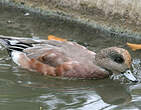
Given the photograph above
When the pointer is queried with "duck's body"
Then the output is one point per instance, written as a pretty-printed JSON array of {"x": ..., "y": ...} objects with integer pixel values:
[{"x": 66, "y": 59}]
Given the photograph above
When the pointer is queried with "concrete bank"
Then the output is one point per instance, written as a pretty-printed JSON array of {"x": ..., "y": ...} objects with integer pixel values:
[{"x": 117, "y": 16}]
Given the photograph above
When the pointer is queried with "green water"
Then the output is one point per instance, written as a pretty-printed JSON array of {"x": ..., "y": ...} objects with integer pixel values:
[{"x": 24, "y": 90}]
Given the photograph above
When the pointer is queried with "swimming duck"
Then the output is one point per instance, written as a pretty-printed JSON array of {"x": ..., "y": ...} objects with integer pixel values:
[{"x": 67, "y": 59}]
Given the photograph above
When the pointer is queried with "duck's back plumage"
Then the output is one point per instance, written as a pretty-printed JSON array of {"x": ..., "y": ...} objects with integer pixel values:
[{"x": 63, "y": 50}]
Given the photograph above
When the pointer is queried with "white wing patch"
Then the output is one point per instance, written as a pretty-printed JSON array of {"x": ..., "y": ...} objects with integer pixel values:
[{"x": 16, "y": 56}]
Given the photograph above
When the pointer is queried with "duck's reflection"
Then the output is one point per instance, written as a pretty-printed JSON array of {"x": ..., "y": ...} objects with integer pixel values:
[
  {"x": 112, "y": 92},
  {"x": 108, "y": 91}
]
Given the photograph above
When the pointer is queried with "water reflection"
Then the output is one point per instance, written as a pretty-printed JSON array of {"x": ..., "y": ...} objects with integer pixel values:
[{"x": 82, "y": 93}]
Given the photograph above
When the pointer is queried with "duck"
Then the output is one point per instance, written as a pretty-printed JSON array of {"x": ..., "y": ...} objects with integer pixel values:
[{"x": 62, "y": 58}]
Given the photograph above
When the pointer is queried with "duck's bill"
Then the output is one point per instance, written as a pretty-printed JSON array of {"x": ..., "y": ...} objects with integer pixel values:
[{"x": 129, "y": 75}]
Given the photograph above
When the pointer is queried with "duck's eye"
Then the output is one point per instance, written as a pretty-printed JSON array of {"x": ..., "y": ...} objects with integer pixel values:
[
  {"x": 119, "y": 60},
  {"x": 116, "y": 57}
]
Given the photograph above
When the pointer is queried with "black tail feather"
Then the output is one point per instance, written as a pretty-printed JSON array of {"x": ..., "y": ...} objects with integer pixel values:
[{"x": 17, "y": 46}]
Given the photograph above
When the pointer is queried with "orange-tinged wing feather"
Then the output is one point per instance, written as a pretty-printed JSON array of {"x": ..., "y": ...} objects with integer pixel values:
[
  {"x": 51, "y": 37},
  {"x": 134, "y": 47}
]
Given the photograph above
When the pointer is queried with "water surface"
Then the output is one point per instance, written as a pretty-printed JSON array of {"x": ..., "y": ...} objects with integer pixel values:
[{"x": 24, "y": 90}]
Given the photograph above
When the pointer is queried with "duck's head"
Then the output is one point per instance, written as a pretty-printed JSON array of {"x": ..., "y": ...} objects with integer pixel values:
[{"x": 115, "y": 60}]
